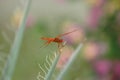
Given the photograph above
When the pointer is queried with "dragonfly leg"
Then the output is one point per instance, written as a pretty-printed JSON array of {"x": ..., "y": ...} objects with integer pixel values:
[
  {"x": 60, "y": 46},
  {"x": 46, "y": 44}
]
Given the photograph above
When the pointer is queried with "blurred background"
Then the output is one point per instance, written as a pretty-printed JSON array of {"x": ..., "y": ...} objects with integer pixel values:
[{"x": 97, "y": 21}]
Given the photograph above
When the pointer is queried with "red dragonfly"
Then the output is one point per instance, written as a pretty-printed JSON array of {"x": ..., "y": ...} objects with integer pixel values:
[{"x": 57, "y": 39}]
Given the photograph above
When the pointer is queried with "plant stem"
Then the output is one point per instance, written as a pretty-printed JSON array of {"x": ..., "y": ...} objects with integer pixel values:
[
  {"x": 50, "y": 72},
  {"x": 11, "y": 62},
  {"x": 71, "y": 60}
]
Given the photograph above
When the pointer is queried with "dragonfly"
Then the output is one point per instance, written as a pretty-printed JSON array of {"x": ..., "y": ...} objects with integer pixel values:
[{"x": 57, "y": 39}]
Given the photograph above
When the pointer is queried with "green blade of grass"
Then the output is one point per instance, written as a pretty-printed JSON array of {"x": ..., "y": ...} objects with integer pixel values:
[
  {"x": 52, "y": 68},
  {"x": 10, "y": 65},
  {"x": 69, "y": 63}
]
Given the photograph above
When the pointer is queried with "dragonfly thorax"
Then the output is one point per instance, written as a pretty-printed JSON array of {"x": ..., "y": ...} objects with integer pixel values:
[{"x": 58, "y": 40}]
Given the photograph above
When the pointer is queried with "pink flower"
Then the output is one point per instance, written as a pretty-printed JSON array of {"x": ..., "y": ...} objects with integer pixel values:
[
  {"x": 94, "y": 17},
  {"x": 102, "y": 67},
  {"x": 116, "y": 69},
  {"x": 95, "y": 14},
  {"x": 65, "y": 55},
  {"x": 17, "y": 17},
  {"x": 75, "y": 37},
  {"x": 30, "y": 21},
  {"x": 93, "y": 50}
]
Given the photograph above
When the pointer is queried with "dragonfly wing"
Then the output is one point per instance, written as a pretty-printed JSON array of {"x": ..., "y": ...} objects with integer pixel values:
[{"x": 66, "y": 33}]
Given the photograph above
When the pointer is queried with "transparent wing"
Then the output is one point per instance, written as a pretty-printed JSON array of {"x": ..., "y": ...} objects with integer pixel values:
[{"x": 66, "y": 33}]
